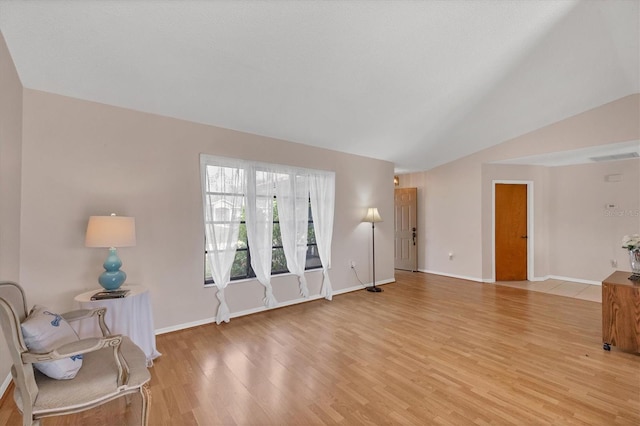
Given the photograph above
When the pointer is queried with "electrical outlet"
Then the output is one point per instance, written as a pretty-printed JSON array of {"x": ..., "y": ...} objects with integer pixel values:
[
  {"x": 352, "y": 263},
  {"x": 614, "y": 263}
]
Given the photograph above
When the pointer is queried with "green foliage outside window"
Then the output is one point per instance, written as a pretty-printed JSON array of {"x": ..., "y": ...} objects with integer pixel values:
[{"x": 241, "y": 267}]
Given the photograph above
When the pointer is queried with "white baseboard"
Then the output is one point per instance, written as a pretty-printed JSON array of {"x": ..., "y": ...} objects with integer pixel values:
[
  {"x": 5, "y": 385},
  {"x": 490, "y": 280},
  {"x": 184, "y": 326},
  {"x": 493, "y": 281},
  {"x": 264, "y": 308},
  {"x": 462, "y": 277}
]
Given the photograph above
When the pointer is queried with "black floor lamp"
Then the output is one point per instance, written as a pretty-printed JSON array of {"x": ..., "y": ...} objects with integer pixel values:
[{"x": 373, "y": 216}]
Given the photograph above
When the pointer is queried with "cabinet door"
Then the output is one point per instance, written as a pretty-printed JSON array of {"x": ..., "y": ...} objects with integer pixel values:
[{"x": 621, "y": 316}]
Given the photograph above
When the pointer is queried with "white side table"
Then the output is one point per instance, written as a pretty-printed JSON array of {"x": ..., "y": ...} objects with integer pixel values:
[{"x": 130, "y": 316}]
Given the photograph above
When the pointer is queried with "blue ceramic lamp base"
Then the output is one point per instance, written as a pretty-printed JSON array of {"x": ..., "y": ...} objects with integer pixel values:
[{"x": 112, "y": 278}]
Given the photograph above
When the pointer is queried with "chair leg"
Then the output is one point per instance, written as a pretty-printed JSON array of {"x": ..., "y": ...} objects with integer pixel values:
[
  {"x": 29, "y": 420},
  {"x": 145, "y": 392}
]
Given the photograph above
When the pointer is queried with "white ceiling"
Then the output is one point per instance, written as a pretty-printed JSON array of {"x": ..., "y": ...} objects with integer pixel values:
[{"x": 418, "y": 83}]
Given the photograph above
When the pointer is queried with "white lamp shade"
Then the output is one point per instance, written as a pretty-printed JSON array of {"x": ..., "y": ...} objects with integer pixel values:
[
  {"x": 372, "y": 215},
  {"x": 111, "y": 231}
]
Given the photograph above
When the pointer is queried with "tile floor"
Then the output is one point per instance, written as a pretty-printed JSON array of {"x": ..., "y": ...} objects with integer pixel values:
[{"x": 560, "y": 288}]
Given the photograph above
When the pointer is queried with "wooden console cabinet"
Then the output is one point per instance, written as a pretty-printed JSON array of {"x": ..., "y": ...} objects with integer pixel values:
[{"x": 621, "y": 312}]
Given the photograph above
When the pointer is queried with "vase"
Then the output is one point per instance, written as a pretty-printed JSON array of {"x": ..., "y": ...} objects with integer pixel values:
[
  {"x": 112, "y": 278},
  {"x": 634, "y": 260}
]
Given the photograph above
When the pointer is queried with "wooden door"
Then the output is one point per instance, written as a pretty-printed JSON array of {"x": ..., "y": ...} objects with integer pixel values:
[
  {"x": 406, "y": 227},
  {"x": 511, "y": 232}
]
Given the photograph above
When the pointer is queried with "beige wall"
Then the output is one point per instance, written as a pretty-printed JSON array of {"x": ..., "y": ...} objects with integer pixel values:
[
  {"x": 449, "y": 200},
  {"x": 81, "y": 158},
  {"x": 455, "y": 199},
  {"x": 585, "y": 235},
  {"x": 10, "y": 164}
]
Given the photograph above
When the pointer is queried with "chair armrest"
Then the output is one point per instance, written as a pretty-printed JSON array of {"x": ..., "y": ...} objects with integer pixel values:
[
  {"x": 74, "y": 348},
  {"x": 80, "y": 314}
]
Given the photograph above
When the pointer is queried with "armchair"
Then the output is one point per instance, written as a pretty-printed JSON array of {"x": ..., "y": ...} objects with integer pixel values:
[{"x": 112, "y": 367}]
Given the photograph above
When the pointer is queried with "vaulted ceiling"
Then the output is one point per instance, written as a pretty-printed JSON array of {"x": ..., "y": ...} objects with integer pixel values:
[{"x": 418, "y": 83}]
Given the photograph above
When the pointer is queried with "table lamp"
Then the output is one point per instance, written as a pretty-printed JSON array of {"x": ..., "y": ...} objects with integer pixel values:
[
  {"x": 373, "y": 216},
  {"x": 111, "y": 232}
]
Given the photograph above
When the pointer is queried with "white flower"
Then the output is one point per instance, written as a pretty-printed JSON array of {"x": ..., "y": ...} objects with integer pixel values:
[{"x": 631, "y": 241}]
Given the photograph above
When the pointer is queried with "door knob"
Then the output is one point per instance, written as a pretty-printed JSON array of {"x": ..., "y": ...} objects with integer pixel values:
[{"x": 524, "y": 236}]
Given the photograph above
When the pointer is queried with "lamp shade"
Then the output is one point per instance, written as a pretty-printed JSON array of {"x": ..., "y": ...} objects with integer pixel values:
[
  {"x": 372, "y": 215},
  {"x": 111, "y": 231}
]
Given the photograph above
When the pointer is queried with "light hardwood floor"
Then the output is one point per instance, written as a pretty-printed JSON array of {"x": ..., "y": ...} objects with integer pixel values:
[{"x": 427, "y": 350}]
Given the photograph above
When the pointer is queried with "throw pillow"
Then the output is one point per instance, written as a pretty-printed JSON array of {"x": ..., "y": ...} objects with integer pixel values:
[{"x": 44, "y": 331}]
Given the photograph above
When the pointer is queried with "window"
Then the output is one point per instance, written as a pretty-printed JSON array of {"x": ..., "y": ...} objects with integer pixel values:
[
  {"x": 284, "y": 212},
  {"x": 241, "y": 267}
]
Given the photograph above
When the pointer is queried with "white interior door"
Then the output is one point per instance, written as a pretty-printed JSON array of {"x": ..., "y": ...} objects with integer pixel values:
[{"x": 406, "y": 222}]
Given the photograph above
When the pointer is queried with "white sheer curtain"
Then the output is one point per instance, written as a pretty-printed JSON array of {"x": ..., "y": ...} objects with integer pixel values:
[
  {"x": 231, "y": 185},
  {"x": 223, "y": 195},
  {"x": 322, "y": 192},
  {"x": 292, "y": 194},
  {"x": 259, "y": 220}
]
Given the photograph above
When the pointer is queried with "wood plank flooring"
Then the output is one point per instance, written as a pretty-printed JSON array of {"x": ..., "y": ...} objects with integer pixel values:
[{"x": 427, "y": 350}]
